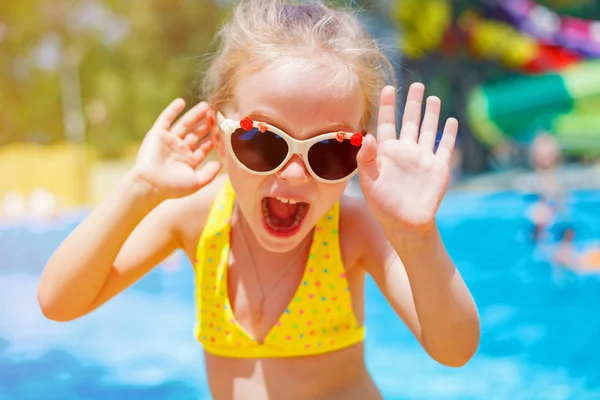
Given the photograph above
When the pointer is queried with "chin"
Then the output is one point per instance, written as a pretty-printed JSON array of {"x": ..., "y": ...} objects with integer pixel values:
[{"x": 281, "y": 246}]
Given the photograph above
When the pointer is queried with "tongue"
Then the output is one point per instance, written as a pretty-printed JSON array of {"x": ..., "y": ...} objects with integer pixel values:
[{"x": 282, "y": 214}]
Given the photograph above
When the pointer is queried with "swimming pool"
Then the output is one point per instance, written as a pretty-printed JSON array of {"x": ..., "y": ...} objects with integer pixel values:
[{"x": 540, "y": 335}]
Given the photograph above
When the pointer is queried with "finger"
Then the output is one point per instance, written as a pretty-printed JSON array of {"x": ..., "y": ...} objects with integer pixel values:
[
  {"x": 386, "y": 120},
  {"x": 207, "y": 173},
  {"x": 191, "y": 141},
  {"x": 446, "y": 146},
  {"x": 211, "y": 119},
  {"x": 411, "y": 120},
  {"x": 196, "y": 156},
  {"x": 368, "y": 170},
  {"x": 181, "y": 148},
  {"x": 203, "y": 149},
  {"x": 202, "y": 129},
  {"x": 190, "y": 119},
  {"x": 430, "y": 123},
  {"x": 168, "y": 115},
  {"x": 197, "y": 136}
]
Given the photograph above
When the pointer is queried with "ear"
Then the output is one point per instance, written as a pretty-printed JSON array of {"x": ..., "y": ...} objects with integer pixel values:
[{"x": 217, "y": 136}]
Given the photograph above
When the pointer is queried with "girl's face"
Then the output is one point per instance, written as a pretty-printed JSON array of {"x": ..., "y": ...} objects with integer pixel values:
[{"x": 282, "y": 208}]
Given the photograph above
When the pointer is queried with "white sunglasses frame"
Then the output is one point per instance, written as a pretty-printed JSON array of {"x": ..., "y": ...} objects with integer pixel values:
[{"x": 295, "y": 146}]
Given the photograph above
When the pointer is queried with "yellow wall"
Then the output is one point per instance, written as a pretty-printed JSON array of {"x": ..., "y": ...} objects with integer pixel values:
[
  {"x": 71, "y": 172},
  {"x": 61, "y": 168}
]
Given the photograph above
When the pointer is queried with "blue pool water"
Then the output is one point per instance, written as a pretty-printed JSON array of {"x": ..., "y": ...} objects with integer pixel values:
[{"x": 540, "y": 329}]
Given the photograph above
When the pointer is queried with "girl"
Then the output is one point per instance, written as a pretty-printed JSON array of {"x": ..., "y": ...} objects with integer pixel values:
[{"x": 280, "y": 255}]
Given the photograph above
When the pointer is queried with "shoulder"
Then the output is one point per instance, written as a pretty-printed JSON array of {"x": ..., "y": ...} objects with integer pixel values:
[{"x": 188, "y": 215}]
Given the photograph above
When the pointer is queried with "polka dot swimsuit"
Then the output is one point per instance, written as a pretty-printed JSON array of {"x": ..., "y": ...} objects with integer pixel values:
[{"x": 319, "y": 317}]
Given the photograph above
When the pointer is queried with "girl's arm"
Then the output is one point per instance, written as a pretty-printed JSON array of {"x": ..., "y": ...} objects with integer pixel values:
[
  {"x": 84, "y": 272},
  {"x": 419, "y": 276},
  {"x": 135, "y": 227},
  {"x": 404, "y": 180},
  {"x": 421, "y": 283}
]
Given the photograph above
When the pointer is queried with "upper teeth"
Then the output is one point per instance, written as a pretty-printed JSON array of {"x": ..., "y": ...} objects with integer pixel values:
[{"x": 284, "y": 200}]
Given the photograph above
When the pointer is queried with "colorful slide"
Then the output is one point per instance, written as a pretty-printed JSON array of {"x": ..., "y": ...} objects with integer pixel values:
[{"x": 564, "y": 103}]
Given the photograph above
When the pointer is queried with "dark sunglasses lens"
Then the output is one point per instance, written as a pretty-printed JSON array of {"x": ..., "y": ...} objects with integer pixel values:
[
  {"x": 333, "y": 160},
  {"x": 259, "y": 151}
]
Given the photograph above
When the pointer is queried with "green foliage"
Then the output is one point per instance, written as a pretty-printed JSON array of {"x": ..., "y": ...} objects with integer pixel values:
[
  {"x": 588, "y": 9},
  {"x": 123, "y": 61}
]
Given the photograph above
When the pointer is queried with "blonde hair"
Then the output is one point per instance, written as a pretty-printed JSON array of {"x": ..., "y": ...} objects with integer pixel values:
[{"x": 262, "y": 32}]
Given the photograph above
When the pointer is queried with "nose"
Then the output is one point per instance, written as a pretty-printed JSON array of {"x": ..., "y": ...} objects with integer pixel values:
[{"x": 294, "y": 171}]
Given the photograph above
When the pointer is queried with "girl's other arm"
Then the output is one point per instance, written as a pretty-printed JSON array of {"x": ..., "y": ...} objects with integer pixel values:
[
  {"x": 135, "y": 227},
  {"x": 85, "y": 272}
]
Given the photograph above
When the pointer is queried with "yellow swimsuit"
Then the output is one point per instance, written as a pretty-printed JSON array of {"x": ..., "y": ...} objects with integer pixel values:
[{"x": 319, "y": 318}]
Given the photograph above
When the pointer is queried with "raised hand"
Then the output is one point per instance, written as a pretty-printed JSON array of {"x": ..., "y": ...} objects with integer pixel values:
[
  {"x": 403, "y": 180},
  {"x": 172, "y": 151}
]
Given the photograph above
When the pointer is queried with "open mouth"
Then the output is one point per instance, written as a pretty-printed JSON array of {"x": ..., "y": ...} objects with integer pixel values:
[{"x": 283, "y": 216}]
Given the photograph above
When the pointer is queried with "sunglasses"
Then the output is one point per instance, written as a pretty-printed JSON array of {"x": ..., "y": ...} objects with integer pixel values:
[{"x": 263, "y": 149}]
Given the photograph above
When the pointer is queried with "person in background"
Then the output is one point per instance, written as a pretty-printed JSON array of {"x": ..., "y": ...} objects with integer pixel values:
[{"x": 545, "y": 158}]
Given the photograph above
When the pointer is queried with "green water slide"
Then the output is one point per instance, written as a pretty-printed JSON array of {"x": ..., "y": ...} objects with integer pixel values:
[{"x": 566, "y": 104}]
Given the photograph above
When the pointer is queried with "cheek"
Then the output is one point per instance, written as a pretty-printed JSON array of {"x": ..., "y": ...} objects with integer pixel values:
[
  {"x": 245, "y": 184},
  {"x": 235, "y": 172},
  {"x": 328, "y": 195},
  {"x": 335, "y": 190}
]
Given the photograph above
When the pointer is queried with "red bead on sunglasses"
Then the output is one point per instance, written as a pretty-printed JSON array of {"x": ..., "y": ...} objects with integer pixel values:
[
  {"x": 356, "y": 139},
  {"x": 246, "y": 123},
  {"x": 264, "y": 149}
]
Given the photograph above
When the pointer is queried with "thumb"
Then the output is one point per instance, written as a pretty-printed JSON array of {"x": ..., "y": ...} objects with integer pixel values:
[
  {"x": 368, "y": 170},
  {"x": 207, "y": 173}
]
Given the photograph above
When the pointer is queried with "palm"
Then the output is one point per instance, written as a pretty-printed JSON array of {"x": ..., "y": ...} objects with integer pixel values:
[
  {"x": 170, "y": 153},
  {"x": 403, "y": 180}
]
